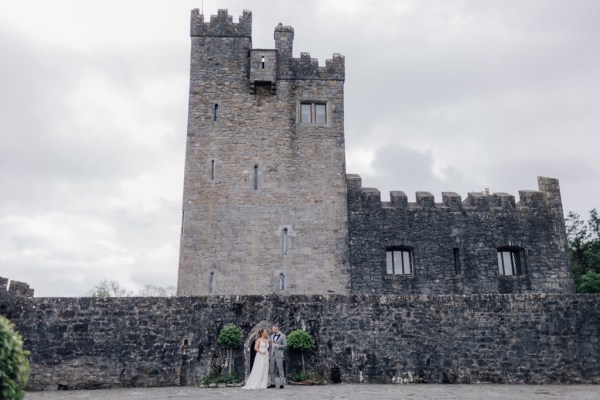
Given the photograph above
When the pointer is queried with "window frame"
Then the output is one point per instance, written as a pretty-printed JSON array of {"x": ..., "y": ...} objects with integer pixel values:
[
  {"x": 515, "y": 257},
  {"x": 313, "y": 103},
  {"x": 406, "y": 255}
]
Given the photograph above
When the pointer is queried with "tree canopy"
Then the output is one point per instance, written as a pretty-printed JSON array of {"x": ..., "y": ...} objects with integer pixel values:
[{"x": 584, "y": 246}]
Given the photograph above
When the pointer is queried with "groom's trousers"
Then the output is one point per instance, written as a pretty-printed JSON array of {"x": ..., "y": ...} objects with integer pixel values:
[{"x": 276, "y": 362}]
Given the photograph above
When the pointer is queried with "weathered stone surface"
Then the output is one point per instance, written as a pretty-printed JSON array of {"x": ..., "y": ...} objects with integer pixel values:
[
  {"x": 475, "y": 228},
  {"x": 254, "y": 170},
  {"x": 255, "y": 174},
  {"x": 99, "y": 343}
]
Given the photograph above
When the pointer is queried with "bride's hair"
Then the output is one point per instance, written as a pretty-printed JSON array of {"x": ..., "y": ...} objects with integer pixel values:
[{"x": 260, "y": 331}]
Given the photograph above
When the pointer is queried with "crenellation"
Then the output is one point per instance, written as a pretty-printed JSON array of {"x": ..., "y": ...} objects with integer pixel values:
[
  {"x": 20, "y": 289},
  {"x": 221, "y": 25},
  {"x": 425, "y": 200},
  {"x": 477, "y": 201},
  {"x": 532, "y": 199},
  {"x": 505, "y": 200},
  {"x": 399, "y": 200},
  {"x": 452, "y": 201},
  {"x": 308, "y": 68},
  {"x": 437, "y": 233}
]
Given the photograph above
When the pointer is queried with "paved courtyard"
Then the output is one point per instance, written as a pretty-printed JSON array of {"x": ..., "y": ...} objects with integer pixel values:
[{"x": 342, "y": 392}]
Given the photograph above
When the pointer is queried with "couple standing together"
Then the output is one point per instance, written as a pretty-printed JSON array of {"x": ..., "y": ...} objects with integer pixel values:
[{"x": 269, "y": 355}]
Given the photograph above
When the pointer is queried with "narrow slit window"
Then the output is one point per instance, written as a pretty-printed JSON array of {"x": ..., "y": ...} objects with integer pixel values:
[
  {"x": 255, "y": 177},
  {"x": 281, "y": 281},
  {"x": 182, "y": 220},
  {"x": 457, "y": 266},
  {"x": 211, "y": 279},
  {"x": 262, "y": 62},
  {"x": 216, "y": 112},
  {"x": 285, "y": 241},
  {"x": 212, "y": 169}
]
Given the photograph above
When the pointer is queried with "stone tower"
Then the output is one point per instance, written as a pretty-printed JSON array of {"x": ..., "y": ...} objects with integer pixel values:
[{"x": 265, "y": 196}]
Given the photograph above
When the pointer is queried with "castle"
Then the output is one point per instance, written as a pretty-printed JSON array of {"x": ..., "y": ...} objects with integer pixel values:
[
  {"x": 269, "y": 209},
  {"x": 468, "y": 291}
]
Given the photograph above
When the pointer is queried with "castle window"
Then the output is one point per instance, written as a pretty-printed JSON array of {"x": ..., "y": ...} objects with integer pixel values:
[
  {"x": 212, "y": 169},
  {"x": 262, "y": 62},
  {"x": 182, "y": 220},
  {"x": 399, "y": 261},
  {"x": 457, "y": 266},
  {"x": 313, "y": 113},
  {"x": 255, "y": 177},
  {"x": 285, "y": 241},
  {"x": 281, "y": 281},
  {"x": 211, "y": 278},
  {"x": 216, "y": 112},
  {"x": 510, "y": 261}
]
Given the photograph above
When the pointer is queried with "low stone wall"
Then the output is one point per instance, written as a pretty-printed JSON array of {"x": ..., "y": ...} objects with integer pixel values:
[{"x": 79, "y": 343}]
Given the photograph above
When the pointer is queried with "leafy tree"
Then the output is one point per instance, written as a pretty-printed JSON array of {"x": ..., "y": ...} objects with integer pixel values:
[
  {"x": 589, "y": 282},
  {"x": 230, "y": 336},
  {"x": 301, "y": 340},
  {"x": 14, "y": 366},
  {"x": 109, "y": 289},
  {"x": 584, "y": 246}
]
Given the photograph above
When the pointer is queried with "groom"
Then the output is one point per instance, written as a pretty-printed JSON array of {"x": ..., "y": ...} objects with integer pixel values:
[{"x": 276, "y": 357}]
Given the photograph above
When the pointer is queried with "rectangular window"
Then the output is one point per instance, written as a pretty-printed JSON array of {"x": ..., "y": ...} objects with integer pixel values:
[
  {"x": 457, "y": 266},
  {"x": 321, "y": 113},
  {"x": 306, "y": 113},
  {"x": 399, "y": 262},
  {"x": 313, "y": 113},
  {"x": 509, "y": 262}
]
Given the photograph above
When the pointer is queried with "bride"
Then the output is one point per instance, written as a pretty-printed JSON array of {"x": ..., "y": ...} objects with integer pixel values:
[{"x": 260, "y": 370}]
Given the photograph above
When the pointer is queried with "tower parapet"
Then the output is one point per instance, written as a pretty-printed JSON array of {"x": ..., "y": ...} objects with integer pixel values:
[
  {"x": 221, "y": 24},
  {"x": 454, "y": 245}
]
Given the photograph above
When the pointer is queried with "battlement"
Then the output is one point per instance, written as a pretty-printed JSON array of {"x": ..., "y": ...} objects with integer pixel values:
[
  {"x": 221, "y": 25},
  {"x": 475, "y": 201},
  {"x": 15, "y": 288},
  {"x": 306, "y": 67}
]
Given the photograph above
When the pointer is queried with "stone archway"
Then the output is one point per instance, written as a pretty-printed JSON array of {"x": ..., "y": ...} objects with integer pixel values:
[{"x": 249, "y": 352}]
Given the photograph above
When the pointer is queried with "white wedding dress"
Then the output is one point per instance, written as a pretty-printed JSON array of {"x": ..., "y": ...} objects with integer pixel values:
[{"x": 260, "y": 370}]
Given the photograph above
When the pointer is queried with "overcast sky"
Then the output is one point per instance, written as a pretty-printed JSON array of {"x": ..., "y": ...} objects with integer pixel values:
[{"x": 440, "y": 96}]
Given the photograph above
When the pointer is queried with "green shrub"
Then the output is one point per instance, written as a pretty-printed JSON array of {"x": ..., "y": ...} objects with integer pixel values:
[
  {"x": 588, "y": 282},
  {"x": 14, "y": 366},
  {"x": 230, "y": 336},
  {"x": 301, "y": 340}
]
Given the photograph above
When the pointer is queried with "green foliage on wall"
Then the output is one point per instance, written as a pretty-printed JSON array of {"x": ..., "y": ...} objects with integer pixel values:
[{"x": 14, "y": 366}]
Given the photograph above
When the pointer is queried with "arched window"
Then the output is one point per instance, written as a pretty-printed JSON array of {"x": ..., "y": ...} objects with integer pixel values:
[{"x": 281, "y": 281}]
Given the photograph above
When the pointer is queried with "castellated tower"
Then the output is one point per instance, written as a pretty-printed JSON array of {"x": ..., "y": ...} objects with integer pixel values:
[{"x": 265, "y": 197}]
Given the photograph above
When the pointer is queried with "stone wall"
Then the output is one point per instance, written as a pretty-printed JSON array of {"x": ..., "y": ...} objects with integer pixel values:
[
  {"x": 467, "y": 232},
  {"x": 81, "y": 343}
]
